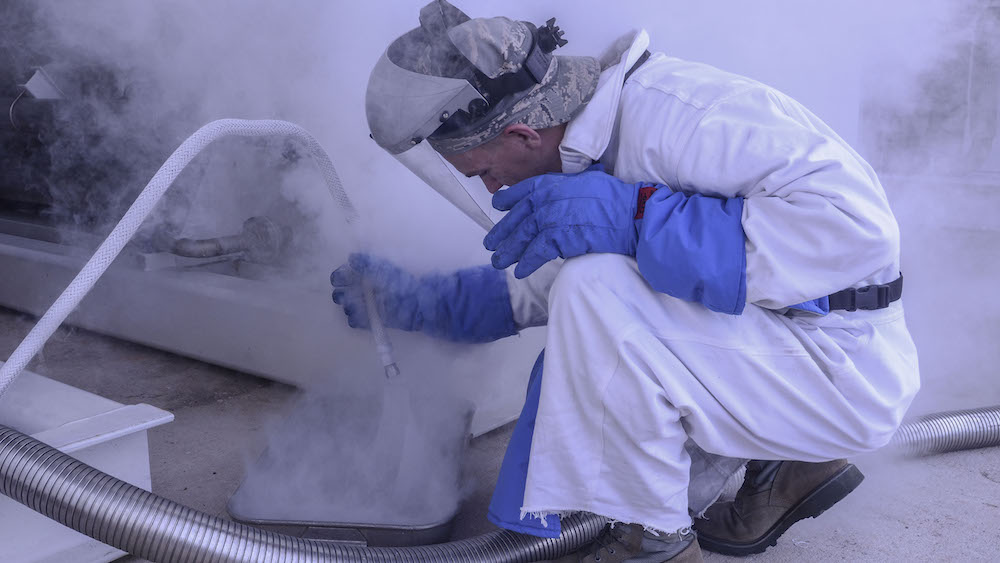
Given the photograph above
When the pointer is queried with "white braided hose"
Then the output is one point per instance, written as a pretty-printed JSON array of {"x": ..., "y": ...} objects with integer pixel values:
[{"x": 144, "y": 204}]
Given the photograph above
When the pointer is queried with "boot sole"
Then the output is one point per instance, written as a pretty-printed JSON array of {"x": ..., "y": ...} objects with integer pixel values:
[{"x": 827, "y": 494}]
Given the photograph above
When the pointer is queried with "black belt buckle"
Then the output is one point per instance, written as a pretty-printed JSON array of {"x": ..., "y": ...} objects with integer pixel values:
[{"x": 870, "y": 298}]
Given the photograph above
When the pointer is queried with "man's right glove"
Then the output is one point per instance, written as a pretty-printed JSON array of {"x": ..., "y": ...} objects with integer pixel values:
[{"x": 470, "y": 305}]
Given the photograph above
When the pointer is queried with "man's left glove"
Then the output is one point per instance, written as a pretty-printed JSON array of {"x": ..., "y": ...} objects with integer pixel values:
[
  {"x": 690, "y": 246},
  {"x": 563, "y": 215},
  {"x": 470, "y": 305}
]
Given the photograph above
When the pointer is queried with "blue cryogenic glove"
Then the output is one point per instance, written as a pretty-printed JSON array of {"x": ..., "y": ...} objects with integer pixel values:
[
  {"x": 563, "y": 215},
  {"x": 470, "y": 305},
  {"x": 690, "y": 246}
]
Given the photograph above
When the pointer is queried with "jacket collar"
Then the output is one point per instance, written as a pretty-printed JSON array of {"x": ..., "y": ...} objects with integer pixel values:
[{"x": 589, "y": 133}]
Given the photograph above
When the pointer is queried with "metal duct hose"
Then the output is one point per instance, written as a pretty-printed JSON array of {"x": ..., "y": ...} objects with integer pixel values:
[
  {"x": 132, "y": 519},
  {"x": 149, "y": 526},
  {"x": 949, "y": 431}
]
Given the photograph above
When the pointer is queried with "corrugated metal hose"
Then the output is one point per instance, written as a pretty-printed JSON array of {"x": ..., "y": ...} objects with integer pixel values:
[
  {"x": 948, "y": 432},
  {"x": 149, "y": 526}
]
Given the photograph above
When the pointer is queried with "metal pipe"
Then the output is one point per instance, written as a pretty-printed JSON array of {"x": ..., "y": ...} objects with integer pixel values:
[
  {"x": 209, "y": 247},
  {"x": 949, "y": 431},
  {"x": 160, "y": 530},
  {"x": 132, "y": 519},
  {"x": 261, "y": 240}
]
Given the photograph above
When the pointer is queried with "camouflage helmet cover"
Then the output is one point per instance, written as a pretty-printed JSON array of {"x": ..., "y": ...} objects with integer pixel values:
[{"x": 450, "y": 45}]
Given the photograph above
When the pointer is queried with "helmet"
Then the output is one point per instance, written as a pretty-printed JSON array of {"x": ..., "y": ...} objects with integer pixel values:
[{"x": 457, "y": 82}]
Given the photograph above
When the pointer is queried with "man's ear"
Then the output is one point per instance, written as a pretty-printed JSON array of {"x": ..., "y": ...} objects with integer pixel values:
[{"x": 521, "y": 133}]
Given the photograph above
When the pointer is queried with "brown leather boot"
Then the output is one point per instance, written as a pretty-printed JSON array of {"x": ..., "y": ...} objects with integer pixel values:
[
  {"x": 774, "y": 495},
  {"x": 628, "y": 543}
]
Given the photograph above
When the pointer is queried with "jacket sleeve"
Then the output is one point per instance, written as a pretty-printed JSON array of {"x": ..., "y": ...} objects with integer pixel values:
[
  {"x": 529, "y": 297},
  {"x": 691, "y": 246},
  {"x": 815, "y": 217},
  {"x": 470, "y": 305}
]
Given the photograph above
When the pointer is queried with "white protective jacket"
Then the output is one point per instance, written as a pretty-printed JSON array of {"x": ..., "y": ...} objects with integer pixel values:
[
  {"x": 658, "y": 370},
  {"x": 815, "y": 216}
]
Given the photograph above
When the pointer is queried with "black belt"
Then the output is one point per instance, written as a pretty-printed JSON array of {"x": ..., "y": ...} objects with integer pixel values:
[{"x": 868, "y": 297}]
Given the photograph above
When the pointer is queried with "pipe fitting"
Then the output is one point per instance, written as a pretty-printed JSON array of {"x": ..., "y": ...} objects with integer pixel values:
[{"x": 260, "y": 241}]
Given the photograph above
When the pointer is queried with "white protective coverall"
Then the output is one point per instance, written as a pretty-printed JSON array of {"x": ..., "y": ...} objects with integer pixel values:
[{"x": 630, "y": 373}]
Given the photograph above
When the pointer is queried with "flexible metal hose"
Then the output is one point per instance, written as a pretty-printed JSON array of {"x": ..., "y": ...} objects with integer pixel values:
[
  {"x": 149, "y": 526},
  {"x": 949, "y": 431},
  {"x": 137, "y": 521}
]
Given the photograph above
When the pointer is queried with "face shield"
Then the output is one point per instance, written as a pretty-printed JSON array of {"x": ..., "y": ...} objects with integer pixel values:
[
  {"x": 400, "y": 131},
  {"x": 469, "y": 195}
]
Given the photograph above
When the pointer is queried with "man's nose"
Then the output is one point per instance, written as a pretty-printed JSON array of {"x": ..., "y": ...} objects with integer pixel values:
[{"x": 492, "y": 184}]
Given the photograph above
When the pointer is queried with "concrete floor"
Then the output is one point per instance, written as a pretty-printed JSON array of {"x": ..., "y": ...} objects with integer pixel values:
[{"x": 942, "y": 508}]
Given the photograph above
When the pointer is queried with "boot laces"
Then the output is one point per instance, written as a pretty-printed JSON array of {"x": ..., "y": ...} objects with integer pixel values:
[
  {"x": 605, "y": 541},
  {"x": 749, "y": 486}
]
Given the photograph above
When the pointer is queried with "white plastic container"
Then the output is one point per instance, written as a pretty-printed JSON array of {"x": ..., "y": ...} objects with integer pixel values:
[{"x": 98, "y": 431}]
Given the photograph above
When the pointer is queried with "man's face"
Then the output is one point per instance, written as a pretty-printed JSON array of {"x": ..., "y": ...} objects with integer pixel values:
[{"x": 517, "y": 154}]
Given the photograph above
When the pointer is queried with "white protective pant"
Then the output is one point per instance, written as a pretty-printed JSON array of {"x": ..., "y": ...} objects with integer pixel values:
[{"x": 631, "y": 373}]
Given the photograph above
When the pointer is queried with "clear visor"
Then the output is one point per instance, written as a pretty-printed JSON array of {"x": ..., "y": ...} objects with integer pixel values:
[{"x": 468, "y": 194}]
